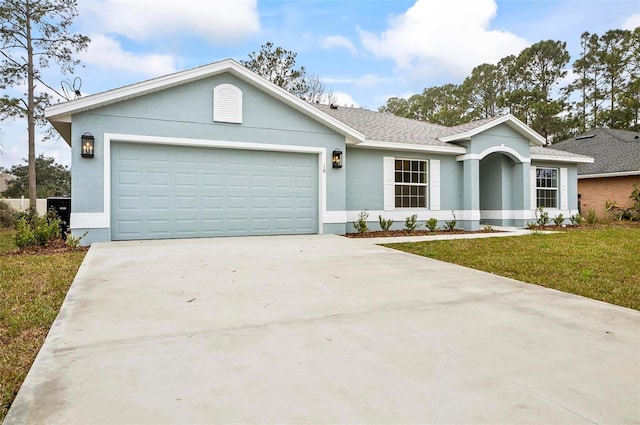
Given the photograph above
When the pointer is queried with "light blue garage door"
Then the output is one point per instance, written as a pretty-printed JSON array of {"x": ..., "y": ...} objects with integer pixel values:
[{"x": 163, "y": 192}]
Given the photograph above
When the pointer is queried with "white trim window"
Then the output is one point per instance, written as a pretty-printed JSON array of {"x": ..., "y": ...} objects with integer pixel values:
[
  {"x": 410, "y": 183},
  {"x": 546, "y": 187}
]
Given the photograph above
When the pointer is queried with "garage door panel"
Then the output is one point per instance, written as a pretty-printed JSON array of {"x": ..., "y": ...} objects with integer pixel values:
[
  {"x": 159, "y": 180},
  {"x": 161, "y": 191},
  {"x": 188, "y": 203},
  {"x": 212, "y": 203},
  {"x": 162, "y": 156},
  {"x": 157, "y": 228},
  {"x": 156, "y": 203},
  {"x": 130, "y": 228},
  {"x": 187, "y": 180},
  {"x": 212, "y": 181},
  {"x": 129, "y": 203},
  {"x": 130, "y": 178}
]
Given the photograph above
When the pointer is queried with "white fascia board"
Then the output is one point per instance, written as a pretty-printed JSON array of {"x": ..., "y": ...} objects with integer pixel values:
[
  {"x": 605, "y": 175},
  {"x": 62, "y": 110},
  {"x": 134, "y": 90},
  {"x": 568, "y": 159},
  {"x": 510, "y": 120},
  {"x": 372, "y": 144},
  {"x": 503, "y": 149}
]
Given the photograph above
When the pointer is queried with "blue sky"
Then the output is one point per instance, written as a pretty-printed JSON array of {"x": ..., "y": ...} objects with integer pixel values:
[{"x": 365, "y": 51}]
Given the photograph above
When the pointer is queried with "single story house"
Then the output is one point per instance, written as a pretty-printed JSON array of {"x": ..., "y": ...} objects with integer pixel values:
[
  {"x": 220, "y": 151},
  {"x": 616, "y": 167}
]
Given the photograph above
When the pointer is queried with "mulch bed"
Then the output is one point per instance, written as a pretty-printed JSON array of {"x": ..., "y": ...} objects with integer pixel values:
[
  {"x": 55, "y": 247},
  {"x": 395, "y": 233}
]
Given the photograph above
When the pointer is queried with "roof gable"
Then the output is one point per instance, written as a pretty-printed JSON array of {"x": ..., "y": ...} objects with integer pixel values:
[
  {"x": 466, "y": 131},
  {"x": 60, "y": 114}
]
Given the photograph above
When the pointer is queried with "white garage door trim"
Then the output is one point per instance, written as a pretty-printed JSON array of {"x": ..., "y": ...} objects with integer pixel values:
[{"x": 103, "y": 219}]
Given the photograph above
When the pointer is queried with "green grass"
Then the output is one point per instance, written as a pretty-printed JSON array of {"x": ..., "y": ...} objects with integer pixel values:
[
  {"x": 601, "y": 263},
  {"x": 32, "y": 288}
]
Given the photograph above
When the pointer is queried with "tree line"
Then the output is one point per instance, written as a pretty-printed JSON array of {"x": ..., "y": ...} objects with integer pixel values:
[{"x": 605, "y": 92}]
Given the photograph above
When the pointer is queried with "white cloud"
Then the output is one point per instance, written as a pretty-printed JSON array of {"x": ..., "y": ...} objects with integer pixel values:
[
  {"x": 338, "y": 41},
  {"x": 631, "y": 22},
  {"x": 439, "y": 37},
  {"x": 219, "y": 21},
  {"x": 340, "y": 98},
  {"x": 108, "y": 53},
  {"x": 367, "y": 80}
]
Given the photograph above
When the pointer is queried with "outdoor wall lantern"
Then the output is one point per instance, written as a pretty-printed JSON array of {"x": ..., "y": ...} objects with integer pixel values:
[
  {"x": 337, "y": 158},
  {"x": 87, "y": 145}
]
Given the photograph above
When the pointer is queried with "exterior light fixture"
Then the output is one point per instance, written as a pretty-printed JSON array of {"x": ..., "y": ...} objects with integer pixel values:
[
  {"x": 337, "y": 158},
  {"x": 87, "y": 145}
]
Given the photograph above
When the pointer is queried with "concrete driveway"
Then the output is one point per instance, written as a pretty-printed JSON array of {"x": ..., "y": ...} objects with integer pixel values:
[{"x": 323, "y": 329}]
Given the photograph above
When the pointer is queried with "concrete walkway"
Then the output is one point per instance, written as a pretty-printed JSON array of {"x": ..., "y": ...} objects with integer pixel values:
[{"x": 323, "y": 330}]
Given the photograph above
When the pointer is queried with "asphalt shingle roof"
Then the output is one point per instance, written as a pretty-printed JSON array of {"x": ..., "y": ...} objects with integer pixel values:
[
  {"x": 384, "y": 127},
  {"x": 614, "y": 151},
  {"x": 462, "y": 128}
]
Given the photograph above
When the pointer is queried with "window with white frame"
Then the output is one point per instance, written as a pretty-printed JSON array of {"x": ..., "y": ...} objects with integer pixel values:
[
  {"x": 547, "y": 187},
  {"x": 410, "y": 183}
]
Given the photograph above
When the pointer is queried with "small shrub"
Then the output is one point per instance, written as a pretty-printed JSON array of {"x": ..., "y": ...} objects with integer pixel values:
[
  {"x": 25, "y": 236},
  {"x": 592, "y": 217},
  {"x": 74, "y": 241},
  {"x": 558, "y": 220},
  {"x": 37, "y": 230},
  {"x": 624, "y": 214},
  {"x": 488, "y": 228},
  {"x": 361, "y": 223},
  {"x": 531, "y": 225},
  {"x": 385, "y": 225},
  {"x": 449, "y": 226},
  {"x": 29, "y": 216},
  {"x": 7, "y": 215},
  {"x": 576, "y": 219},
  {"x": 612, "y": 209},
  {"x": 411, "y": 223},
  {"x": 542, "y": 217},
  {"x": 47, "y": 227},
  {"x": 431, "y": 224}
]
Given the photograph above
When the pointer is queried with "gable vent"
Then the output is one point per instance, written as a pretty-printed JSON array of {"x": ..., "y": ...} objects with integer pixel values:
[{"x": 227, "y": 104}]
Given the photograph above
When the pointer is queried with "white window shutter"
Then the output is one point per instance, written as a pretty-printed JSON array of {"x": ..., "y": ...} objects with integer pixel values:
[
  {"x": 434, "y": 185},
  {"x": 564, "y": 195},
  {"x": 227, "y": 104},
  {"x": 533, "y": 194},
  {"x": 388, "y": 163}
]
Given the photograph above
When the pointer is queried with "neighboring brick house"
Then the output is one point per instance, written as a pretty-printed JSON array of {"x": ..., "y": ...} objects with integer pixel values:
[{"x": 616, "y": 167}]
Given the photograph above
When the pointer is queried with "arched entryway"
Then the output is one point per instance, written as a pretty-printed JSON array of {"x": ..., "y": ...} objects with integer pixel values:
[
  {"x": 497, "y": 190},
  {"x": 503, "y": 196}
]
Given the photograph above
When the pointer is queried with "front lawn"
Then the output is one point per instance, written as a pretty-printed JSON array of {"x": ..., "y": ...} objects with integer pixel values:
[
  {"x": 601, "y": 263},
  {"x": 32, "y": 288}
]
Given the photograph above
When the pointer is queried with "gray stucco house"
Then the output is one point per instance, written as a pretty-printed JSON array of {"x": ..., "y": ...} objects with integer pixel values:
[{"x": 219, "y": 151}]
